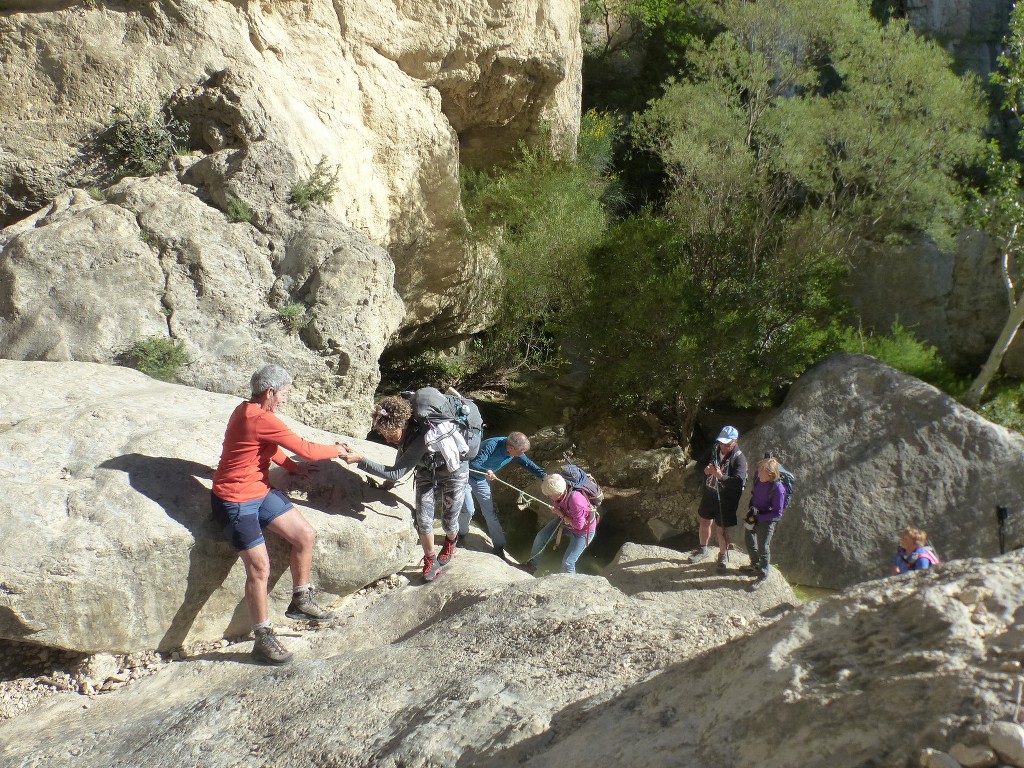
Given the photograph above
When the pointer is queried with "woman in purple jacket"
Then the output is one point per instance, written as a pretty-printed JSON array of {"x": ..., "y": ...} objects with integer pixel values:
[{"x": 767, "y": 501}]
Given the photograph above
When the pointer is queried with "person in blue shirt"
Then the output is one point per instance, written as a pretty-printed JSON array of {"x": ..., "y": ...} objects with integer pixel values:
[{"x": 495, "y": 453}]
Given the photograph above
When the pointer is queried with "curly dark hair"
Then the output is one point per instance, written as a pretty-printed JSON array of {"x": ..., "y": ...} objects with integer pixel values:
[{"x": 392, "y": 413}]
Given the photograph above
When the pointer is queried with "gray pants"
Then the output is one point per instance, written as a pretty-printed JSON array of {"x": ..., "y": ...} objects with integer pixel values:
[
  {"x": 451, "y": 487},
  {"x": 759, "y": 545}
]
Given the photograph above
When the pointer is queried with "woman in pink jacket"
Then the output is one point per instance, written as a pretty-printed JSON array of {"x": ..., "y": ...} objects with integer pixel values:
[{"x": 573, "y": 509}]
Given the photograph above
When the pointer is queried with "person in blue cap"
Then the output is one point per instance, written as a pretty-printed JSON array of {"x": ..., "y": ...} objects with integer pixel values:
[{"x": 725, "y": 475}]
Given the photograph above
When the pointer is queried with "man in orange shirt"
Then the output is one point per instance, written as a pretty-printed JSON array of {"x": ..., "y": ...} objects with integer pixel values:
[{"x": 246, "y": 505}]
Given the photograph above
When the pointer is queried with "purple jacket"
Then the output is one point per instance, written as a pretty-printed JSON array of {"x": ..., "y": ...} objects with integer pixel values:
[{"x": 768, "y": 500}]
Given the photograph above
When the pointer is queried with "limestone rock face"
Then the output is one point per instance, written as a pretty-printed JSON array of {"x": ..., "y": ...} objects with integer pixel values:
[
  {"x": 84, "y": 280},
  {"x": 972, "y": 30},
  {"x": 875, "y": 450},
  {"x": 389, "y": 95},
  {"x": 955, "y": 301},
  {"x": 107, "y": 541}
]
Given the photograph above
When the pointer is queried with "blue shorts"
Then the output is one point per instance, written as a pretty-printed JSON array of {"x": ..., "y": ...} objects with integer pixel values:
[{"x": 243, "y": 521}]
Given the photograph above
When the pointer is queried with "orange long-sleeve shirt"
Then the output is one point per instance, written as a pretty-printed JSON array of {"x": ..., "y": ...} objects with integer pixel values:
[{"x": 254, "y": 437}]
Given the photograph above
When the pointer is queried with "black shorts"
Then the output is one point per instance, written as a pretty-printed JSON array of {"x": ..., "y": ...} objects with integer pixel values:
[{"x": 724, "y": 513}]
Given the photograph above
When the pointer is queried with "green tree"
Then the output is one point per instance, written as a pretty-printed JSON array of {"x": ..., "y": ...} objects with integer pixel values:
[
  {"x": 542, "y": 215},
  {"x": 799, "y": 132},
  {"x": 999, "y": 209}
]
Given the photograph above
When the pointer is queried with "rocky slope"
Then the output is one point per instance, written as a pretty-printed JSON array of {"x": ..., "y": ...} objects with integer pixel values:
[{"x": 488, "y": 666}]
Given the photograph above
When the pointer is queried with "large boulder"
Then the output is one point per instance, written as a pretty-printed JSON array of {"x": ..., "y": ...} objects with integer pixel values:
[
  {"x": 86, "y": 279},
  {"x": 874, "y": 450},
  {"x": 107, "y": 539},
  {"x": 390, "y": 95}
]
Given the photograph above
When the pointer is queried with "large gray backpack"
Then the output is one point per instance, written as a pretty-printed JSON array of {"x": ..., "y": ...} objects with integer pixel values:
[{"x": 432, "y": 406}]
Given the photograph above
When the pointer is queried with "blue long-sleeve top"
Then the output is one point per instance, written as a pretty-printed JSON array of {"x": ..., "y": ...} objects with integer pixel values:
[{"x": 494, "y": 455}]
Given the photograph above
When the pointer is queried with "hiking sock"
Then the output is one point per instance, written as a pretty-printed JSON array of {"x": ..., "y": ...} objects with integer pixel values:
[{"x": 302, "y": 588}]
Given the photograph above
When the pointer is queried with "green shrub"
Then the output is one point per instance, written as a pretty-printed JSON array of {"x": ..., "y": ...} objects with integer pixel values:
[
  {"x": 159, "y": 357},
  {"x": 139, "y": 141},
  {"x": 97, "y": 194},
  {"x": 239, "y": 210},
  {"x": 318, "y": 188},
  {"x": 542, "y": 215},
  {"x": 1005, "y": 405},
  {"x": 293, "y": 315},
  {"x": 429, "y": 367},
  {"x": 901, "y": 350}
]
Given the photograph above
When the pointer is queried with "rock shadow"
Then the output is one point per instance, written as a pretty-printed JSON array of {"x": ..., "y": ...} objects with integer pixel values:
[
  {"x": 174, "y": 484},
  {"x": 335, "y": 489}
]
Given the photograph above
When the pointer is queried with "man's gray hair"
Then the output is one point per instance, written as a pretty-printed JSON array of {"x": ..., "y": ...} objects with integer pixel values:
[
  {"x": 269, "y": 377},
  {"x": 518, "y": 440}
]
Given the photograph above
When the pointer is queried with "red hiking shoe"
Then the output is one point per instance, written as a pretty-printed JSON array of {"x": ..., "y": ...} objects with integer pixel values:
[
  {"x": 447, "y": 551},
  {"x": 431, "y": 568}
]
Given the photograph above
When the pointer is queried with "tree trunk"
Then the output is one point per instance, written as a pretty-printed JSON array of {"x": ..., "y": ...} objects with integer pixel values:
[{"x": 995, "y": 357}]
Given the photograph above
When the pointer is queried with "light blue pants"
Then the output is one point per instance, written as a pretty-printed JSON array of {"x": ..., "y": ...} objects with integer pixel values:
[
  {"x": 480, "y": 487},
  {"x": 573, "y": 550}
]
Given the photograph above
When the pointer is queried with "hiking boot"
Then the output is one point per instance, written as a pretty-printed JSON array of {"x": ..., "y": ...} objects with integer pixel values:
[
  {"x": 431, "y": 567},
  {"x": 268, "y": 649},
  {"x": 698, "y": 554},
  {"x": 723, "y": 562},
  {"x": 305, "y": 608},
  {"x": 756, "y": 583},
  {"x": 447, "y": 551},
  {"x": 460, "y": 542},
  {"x": 500, "y": 552}
]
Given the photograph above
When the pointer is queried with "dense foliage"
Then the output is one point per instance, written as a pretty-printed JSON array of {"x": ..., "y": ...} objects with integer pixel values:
[
  {"x": 793, "y": 136},
  {"x": 542, "y": 215}
]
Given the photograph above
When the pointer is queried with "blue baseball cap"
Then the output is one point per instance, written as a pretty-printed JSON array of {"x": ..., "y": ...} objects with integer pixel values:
[{"x": 728, "y": 434}]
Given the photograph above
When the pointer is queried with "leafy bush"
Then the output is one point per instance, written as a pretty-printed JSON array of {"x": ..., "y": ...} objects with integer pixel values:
[
  {"x": 428, "y": 367},
  {"x": 541, "y": 215},
  {"x": 293, "y": 315},
  {"x": 159, "y": 357},
  {"x": 901, "y": 350},
  {"x": 239, "y": 210},
  {"x": 318, "y": 188},
  {"x": 140, "y": 141},
  {"x": 1005, "y": 405},
  {"x": 677, "y": 319},
  {"x": 96, "y": 194}
]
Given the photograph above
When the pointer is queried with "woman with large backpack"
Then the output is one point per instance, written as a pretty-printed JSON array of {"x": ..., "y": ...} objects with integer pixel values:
[{"x": 393, "y": 420}]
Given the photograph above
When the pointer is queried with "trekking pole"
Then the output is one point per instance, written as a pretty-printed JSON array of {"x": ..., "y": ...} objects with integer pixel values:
[
  {"x": 1001, "y": 514},
  {"x": 521, "y": 492}
]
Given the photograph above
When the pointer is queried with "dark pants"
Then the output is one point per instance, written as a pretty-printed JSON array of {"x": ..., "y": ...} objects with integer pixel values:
[{"x": 759, "y": 545}]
